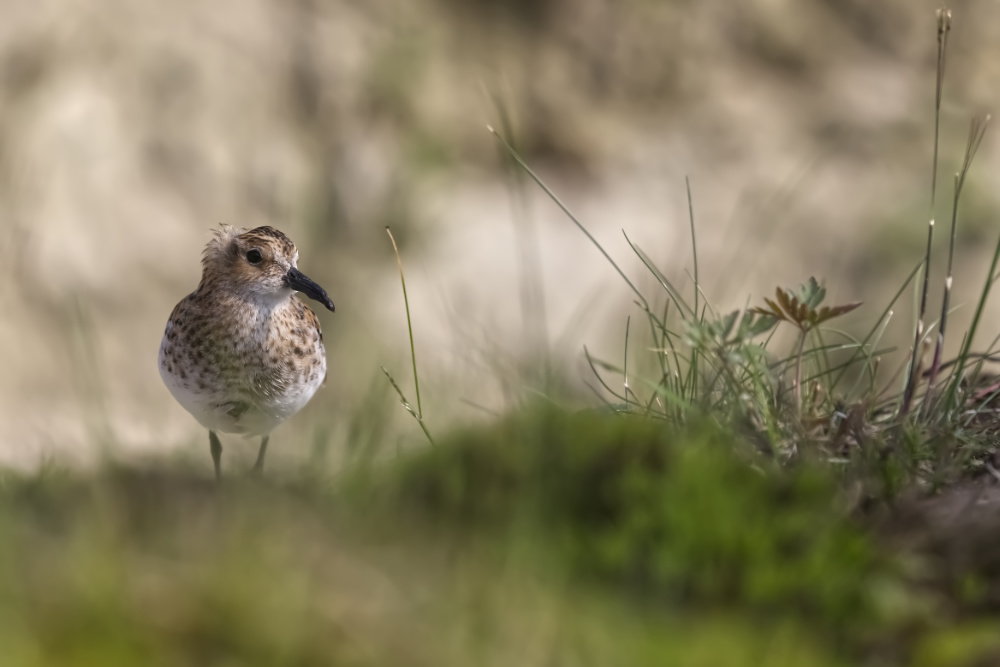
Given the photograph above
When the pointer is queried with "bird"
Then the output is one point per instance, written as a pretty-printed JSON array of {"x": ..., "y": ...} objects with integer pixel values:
[{"x": 242, "y": 353}]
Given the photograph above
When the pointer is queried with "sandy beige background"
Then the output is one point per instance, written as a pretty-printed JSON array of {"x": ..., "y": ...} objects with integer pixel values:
[{"x": 129, "y": 129}]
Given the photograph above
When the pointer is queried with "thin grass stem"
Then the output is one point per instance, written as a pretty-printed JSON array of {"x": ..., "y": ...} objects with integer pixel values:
[
  {"x": 977, "y": 129},
  {"x": 885, "y": 313},
  {"x": 409, "y": 322},
  {"x": 408, "y": 407},
  {"x": 594, "y": 363},
  {"x": 943, "y": 29},
  {"x": 628, "y": 323}
]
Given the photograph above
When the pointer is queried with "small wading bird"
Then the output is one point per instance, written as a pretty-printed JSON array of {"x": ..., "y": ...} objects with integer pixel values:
[{"x": 242, "y": 353}]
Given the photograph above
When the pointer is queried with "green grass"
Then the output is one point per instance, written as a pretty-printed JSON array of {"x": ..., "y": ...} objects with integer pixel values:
[
  {"x": 889, "y": 418},
  {"x": 552, "y": 537}
]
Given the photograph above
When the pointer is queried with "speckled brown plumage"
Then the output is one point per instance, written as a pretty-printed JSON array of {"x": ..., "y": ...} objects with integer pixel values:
[{"x": 242, "y": 352}]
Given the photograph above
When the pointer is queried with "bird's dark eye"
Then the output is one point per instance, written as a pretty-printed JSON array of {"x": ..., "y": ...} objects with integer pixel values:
[{"x": 254, "y": 256}]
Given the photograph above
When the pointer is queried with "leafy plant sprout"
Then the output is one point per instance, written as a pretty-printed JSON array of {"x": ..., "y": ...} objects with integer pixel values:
[{"x": 802, "y": 310}]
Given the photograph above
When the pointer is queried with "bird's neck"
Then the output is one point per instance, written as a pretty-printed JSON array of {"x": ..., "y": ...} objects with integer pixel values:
[{"x": 261, "y": 304}]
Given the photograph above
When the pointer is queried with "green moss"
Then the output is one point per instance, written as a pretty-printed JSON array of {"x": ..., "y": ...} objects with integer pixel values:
[
  {"x": 548, "y": 538},
  {"x": 676, "y": 514}
]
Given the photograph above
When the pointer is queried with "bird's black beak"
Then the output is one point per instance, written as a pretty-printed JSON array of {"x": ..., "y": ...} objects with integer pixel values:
[{"x": 300, "y": 282}]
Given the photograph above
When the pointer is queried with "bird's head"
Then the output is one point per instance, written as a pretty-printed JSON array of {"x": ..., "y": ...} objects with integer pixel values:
[{"x": 260, "y": 263}]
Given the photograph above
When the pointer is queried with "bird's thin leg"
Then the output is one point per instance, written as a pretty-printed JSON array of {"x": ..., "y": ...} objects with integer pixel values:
[
  {"x": 216, "y": 448},
  {"x": 258, "y": 467}
]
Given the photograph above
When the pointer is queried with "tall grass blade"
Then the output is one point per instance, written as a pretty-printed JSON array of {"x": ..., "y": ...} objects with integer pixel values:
[
  {"x": 943, "y": 28},
  {"x": 977, "y": 129},
  {"x": 672, "y": 291},
  {"x": 419, "y": 414}
]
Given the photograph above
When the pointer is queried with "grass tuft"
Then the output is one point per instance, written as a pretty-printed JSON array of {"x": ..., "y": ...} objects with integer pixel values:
[{"x": 814, "y": 398}]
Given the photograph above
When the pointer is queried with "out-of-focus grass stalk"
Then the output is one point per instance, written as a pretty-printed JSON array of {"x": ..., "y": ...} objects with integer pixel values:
[
  {"x": 628, "y": 323},
  {"x": 693, "y": 368},
  {"x": 533, "y": 303},
  {"x": 558, "y": 202}
]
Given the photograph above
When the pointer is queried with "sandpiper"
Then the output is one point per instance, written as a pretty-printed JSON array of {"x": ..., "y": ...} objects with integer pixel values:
[{"x": 242, "y": 353}]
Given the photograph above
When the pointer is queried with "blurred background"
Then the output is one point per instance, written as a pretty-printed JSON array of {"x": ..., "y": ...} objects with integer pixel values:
[{"x": 128, "y": 130}]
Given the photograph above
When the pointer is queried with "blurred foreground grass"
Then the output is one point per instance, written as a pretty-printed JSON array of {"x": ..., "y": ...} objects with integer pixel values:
[{"x": 549, "y": 538}]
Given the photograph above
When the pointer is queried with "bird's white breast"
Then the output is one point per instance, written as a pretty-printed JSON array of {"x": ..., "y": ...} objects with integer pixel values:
[{"x": 254, "y": 397}]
